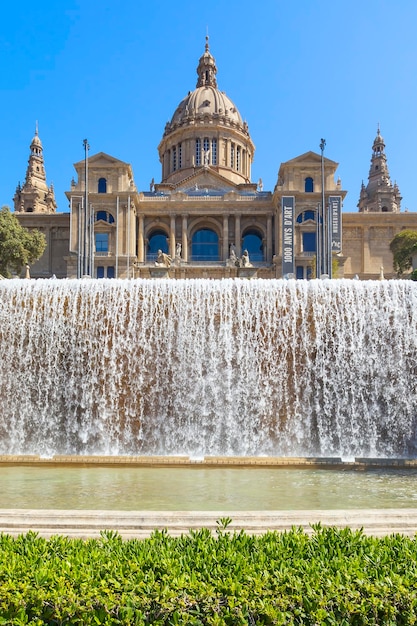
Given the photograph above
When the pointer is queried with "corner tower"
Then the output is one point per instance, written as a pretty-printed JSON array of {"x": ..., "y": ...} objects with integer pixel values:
[
  {"x": 380, "y": 195},
  {"x": 35, "y": 196},
  {"x": 206, "y": 132}
]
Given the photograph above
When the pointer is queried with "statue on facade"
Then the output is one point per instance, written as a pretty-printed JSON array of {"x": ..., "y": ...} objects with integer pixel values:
[
  {"x": 244, "y": 260},
  {"x": 235, "y": 261},
  {"x": 178, "y": 249},
  {"x": 232, "y": 261},
  {"x": 163, "y": 259}
]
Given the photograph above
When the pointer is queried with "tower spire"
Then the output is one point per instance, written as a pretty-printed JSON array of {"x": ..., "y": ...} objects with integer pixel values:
[
  {"x": 380, "y": 195},
  {"x": 207, "y": 69},
  {"x": 35, "y": 196}
]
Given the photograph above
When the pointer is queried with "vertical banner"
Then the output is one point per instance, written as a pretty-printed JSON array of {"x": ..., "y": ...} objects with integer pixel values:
[
  {"x": 288, "y": 265},
  {"x": 335, "y": 204}
]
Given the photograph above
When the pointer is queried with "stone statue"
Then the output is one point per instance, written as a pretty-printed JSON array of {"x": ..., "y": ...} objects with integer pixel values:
[
  {"x": 163, "y": 260},
  {"x": 244, "y": 260},
  {"x": 206, "y": 157},
  {"x": 260, "y": 184},
  {"x": 178, "y": 249},
  {"x": 152, "y": 185},
  {"x": 232, "y": 261}
]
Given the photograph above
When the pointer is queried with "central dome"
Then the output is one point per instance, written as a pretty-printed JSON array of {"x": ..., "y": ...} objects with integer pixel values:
[
  {"x": 206, "y": 130},
  {"x": 207, "y": 100}
]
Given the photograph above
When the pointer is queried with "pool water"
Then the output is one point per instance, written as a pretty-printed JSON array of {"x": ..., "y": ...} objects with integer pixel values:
[{"x": 192, "y": 489}]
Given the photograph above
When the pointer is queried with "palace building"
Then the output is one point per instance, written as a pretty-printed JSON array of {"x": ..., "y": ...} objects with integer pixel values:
[{"x": 206, "y": 218}]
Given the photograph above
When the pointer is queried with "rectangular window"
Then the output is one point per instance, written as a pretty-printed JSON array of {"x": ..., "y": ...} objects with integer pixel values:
[
  {"x": 238, "y": 158},
  {"x": 206, "y": 151},
  {"x": 102, "y": 242},
  {"x": 174, "y": 159},
  {"x": 309, "y": 242},
  {"x": 179, "y": 156},
  {"x": 198, "y": 152},
  {"x": 232, "y": 155},
  {"x": 214, "y": 151}
]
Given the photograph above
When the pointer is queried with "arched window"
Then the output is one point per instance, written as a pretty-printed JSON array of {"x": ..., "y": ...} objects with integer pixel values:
[
  {"x": 305, "y": 216},
  {"x": 104, "y": 216},
  {"x": 157, "y": 241},
  {"x": 205, "y": 245},
  {"x": 252, "y": 242},
  {"x": 102, "y": 185},
  {"x": 309, "y": 185}
]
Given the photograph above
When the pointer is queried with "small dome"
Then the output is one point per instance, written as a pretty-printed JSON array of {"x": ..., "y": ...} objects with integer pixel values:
[
  {"x": 36, "y": 142},
  {"x": 379, "y": 140}
]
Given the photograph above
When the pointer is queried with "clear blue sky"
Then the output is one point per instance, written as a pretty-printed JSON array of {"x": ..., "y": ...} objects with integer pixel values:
[{"x": 114, "y": 72}]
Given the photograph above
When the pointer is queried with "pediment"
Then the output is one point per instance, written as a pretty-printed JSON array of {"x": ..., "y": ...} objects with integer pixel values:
[
  {"x": 205, "y": 179},
  {"x": 101, "y": 159},
  {"x": 309, "y": 159}
]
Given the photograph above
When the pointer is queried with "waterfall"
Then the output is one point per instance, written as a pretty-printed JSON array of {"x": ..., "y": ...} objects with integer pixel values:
[{"x": 205, "y": 368}]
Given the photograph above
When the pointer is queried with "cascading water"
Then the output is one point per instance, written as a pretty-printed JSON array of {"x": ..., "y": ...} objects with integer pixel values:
[{"x": 199, "y": 367}]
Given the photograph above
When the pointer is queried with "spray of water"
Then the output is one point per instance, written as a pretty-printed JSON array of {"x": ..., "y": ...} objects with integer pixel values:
[{"x": 205, "y": 368}]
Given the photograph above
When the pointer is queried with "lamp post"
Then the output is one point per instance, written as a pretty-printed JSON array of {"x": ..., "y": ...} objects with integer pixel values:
[
  {"x": 87, "y": 243},
  {"x": 322, "y": 267}
]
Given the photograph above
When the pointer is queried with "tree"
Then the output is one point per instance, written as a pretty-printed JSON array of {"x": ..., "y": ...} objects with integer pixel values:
[
  {"x": 402, "y": 247},
  {"x": 18, "y": 245}
]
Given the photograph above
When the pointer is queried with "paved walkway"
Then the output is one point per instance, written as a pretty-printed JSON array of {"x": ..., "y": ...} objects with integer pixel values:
[{"x": 140, "y": 524}]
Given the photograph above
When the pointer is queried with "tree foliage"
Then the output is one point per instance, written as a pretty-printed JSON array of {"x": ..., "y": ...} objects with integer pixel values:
[
  {"x": 18, "y": 245},
  {"x": 402, "y": 247}
]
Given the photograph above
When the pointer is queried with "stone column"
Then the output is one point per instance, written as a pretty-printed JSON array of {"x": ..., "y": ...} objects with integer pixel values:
[
  {"x": 238, "y": 236},
  {"x": 184, "y": 251},
  {"x": 225, "y": 253},
  {"x": 226, "y": 152},
  {"x": 269, "y": 239},
  {"x": 141, "y": 241},
  {"x": 172, "y": 236},
  {"x": 278, "y": 225}
]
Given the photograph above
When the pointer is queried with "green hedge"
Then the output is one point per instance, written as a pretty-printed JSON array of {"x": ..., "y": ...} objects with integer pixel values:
[{"x": 330, "y": 577}]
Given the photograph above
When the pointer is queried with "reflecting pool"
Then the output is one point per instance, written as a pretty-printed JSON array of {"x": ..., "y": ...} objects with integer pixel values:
[{"x": 205, "y": 489}]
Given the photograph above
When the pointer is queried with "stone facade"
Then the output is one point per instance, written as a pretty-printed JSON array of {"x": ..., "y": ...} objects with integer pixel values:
[{"x": 205, "y": 212}]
